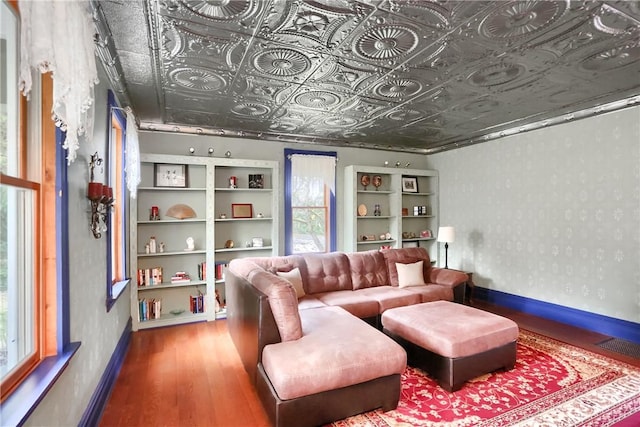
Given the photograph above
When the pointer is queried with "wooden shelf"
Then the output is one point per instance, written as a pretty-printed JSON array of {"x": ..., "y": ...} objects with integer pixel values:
[
  {"x": 173, "y": 221},
  {"x": 262, "y": 248},
  {"x": 171, "y": 285},
  {"x": 172, "y": 253}
]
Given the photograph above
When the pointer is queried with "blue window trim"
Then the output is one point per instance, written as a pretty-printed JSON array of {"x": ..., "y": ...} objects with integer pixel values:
[
  {"x": 21, "y": 403},
  {"x": 114, "y": 290},
  {"x": 288, "y": 220}
]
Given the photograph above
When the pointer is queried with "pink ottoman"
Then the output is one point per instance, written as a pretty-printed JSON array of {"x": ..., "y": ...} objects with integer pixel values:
[{"x": 452, "y": 342}]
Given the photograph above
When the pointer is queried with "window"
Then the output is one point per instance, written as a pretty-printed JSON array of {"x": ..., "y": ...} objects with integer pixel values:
[
  {"x": 29, "y": 289},
  {"x": 19, "y": 222},
  {"x": 117, "y": 219},
  {"x": 310, "y": 214}
]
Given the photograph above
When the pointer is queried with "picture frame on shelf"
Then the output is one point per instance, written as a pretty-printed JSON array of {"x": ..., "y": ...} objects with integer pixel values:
[
  {"x": 409, "y": 184},
  {"x": 170, "y": 175},
  {"x": 256, "y": 180},
  {"x": 242, "y": 210}
]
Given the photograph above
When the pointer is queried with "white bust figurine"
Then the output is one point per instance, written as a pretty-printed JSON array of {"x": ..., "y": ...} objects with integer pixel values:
[{"x": 190, "y": 245}]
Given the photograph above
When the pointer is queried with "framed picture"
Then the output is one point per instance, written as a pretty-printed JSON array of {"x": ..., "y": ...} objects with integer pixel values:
[
  {"x": 170, "y": 175},
  {"x": 257, "y": 242},
  {"x": 241, "y": 210},
  {"x": 256, "y": 180},
  {"x": 409, "y": 184}
]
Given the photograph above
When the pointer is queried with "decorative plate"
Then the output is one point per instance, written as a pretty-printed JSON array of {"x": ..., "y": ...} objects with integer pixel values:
[{"x": 362, "y": 210}]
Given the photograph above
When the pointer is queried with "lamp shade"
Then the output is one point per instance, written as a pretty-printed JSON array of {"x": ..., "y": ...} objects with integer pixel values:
[{"x": 446, "y": 234}]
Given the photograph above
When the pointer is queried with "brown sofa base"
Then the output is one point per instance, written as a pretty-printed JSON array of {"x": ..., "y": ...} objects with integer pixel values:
[
  {"x": 452, "y": 373},
  {"x": 326, "y": 407}
]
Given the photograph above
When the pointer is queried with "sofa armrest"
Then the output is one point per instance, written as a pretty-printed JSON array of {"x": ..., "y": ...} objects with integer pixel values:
[{"x": 447, "y": 277}]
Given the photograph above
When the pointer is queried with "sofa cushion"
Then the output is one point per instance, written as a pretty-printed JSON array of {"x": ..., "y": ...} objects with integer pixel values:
[
  {"x": 295, "y": 279},
  {"x": 368, "y": 269},
  {"x": 280, "y": 263},
  {"x": 327, "y": 272},
  {"x": 391, "y": 297},
  {"x": 428, "y": 293},
  {"x": 336, "y": 350},
  {"x": 357, "y": 302},
  {"x": 405, "y": 256},
  {"x": 283, "y": 302},
  {"x": 410, "y": 274}
]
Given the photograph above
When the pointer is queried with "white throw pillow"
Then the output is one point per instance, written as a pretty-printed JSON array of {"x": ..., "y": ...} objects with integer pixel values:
[
  {"x": 410, "y": 274},
  {"x": 295, "y": 279}
]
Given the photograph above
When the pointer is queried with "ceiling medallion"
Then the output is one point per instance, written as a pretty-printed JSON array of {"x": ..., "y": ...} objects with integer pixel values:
[
  {"x": 281, "y": 62},
  {"x": 197, "y": 79},
  {"x": 317, "y": 99},
  {"x": 283, "y": 127},
  {"x": 496, "y": 75},
  {"x": 250, "y": 109},
  {"x": 310, "y": 22},
  {"x": 398, "y": 88},
  {"x": 516, "y": 19},
  {"x": 404, "y": 115},
  {"x": 340, "y": 121},
  {"x": 386, "y": 42},
  {"x": 612, "y": 58},
  {"x": 220, "y": 10}
]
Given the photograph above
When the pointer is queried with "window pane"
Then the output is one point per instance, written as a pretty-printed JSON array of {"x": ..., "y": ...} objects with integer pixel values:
[
  {"x": 307, "y": 191},
  {"x": 17, "y": 281},
  {"x": 309, "y": 229},
  {"x": 9, "y": 99}
]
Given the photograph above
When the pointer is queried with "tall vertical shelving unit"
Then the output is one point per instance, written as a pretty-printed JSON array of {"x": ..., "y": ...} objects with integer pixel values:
[
  {"x": 207, "y": 192},
  {"x": 244, "y": 233},
  {"x": 365, "y": 231}
]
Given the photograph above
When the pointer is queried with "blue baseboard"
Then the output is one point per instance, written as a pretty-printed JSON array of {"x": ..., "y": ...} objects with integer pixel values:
[
  {"x": 93, "y": 413},
  {"x": 613, "y": 327}
]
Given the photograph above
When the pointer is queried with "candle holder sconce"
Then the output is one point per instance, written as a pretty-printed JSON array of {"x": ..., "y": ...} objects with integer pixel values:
[{"x": 101, "y": 198}]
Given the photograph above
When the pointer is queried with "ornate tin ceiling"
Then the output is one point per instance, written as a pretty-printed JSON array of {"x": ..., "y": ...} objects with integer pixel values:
[{"x": 409, "y": 75}]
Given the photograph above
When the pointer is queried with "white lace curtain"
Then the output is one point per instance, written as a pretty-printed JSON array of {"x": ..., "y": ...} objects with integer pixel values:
[
  {"x": 132, "y": 155},
  {"x": 57, "y": 36},
  {"x": 313, "y": 166}
]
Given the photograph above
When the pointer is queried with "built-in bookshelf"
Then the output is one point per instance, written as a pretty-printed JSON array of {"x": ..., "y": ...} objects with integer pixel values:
[
  {"x": 390, "y": 207},
  {"x": 178, "y": 263},
  {"x": 246, "y": 214}
]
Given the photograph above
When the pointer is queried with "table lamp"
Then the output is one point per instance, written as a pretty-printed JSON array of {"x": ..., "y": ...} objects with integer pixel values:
[{"x": 446, "y": 235}]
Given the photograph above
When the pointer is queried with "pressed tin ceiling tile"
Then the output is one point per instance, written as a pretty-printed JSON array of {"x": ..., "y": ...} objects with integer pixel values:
[{"x": 410, "y": 75}]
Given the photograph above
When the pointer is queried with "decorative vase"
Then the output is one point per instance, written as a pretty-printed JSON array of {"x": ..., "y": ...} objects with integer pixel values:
[
  {"x": 377, "y": 181},
  {"x": 365, "y": 180}
]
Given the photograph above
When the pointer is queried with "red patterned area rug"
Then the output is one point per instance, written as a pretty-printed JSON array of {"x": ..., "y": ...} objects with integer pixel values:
[{"x": 553, "y": 384}]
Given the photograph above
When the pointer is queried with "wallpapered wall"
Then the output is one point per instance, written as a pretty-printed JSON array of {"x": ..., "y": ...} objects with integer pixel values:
[
  {"x": 552, "y": 214},
  {"x": 97, "y": 330}
]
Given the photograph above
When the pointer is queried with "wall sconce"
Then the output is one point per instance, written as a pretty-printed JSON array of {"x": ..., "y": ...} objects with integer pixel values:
[{"x": 101, "y": 198}]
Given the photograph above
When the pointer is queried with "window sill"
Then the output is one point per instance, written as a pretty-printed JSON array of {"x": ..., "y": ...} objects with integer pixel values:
[
  {"x": 117, "y": 289},
  {"x": 21, "y": 403}
]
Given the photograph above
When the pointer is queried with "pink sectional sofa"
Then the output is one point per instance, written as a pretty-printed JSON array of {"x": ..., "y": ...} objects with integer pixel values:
[{"x": 307, "y": 328}]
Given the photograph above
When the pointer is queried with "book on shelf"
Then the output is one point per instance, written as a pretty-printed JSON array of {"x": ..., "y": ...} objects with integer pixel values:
[
  {"x": 149, "y": 308},
  {"x": 196, "y": 303},
  {"x": 202, "y": 271},
  {"x": 220, "y": 269},
  {"x": 149, "y": 276},
  {"x": 180, "y": 277}
]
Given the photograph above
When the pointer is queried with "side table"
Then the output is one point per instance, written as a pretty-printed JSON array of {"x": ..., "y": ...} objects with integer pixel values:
[{"x": 467, "y": 288}]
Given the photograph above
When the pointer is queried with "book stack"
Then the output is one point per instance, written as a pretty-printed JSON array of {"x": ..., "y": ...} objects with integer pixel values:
[
  {"x": 180, "y": 277},
  {"x": 149, "y": 276},
  {"x": 202, "y": 271},
  {"x": 220, "y": 267},
  {"x": 149, "y": 308},
  {"x": 197, "y": 303}
]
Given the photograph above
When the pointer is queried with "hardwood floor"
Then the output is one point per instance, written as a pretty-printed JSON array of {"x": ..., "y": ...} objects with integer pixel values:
[{"x": 191, "y": 375}]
